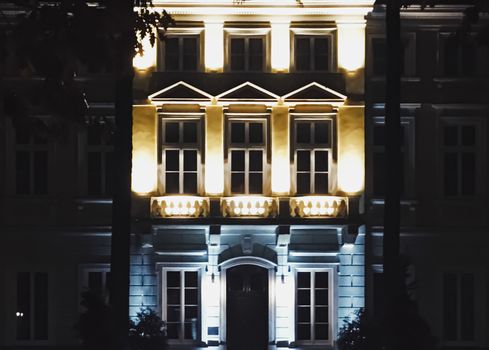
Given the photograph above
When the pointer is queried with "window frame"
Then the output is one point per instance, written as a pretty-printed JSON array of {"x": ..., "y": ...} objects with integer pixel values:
[
  {"x": 181, "y": 147},
  {"x": 182, "y": 33},
  {"x": 330, "y": 33},
  {"x": 247, "y": 118},
  {"x": 83, "y": 279},
  {"x": 312, "y": 52},
  {"x": 247, "y": 33}
]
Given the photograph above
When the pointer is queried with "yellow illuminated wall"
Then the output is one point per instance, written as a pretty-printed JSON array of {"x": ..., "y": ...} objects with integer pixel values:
[
  {"x": 280, "y": 47},
  {"x": 144, "y": 152},
  {"x": 280, "y": 150},
  {"x": 351, "y": 46},
  {"x": 214, "y": 150},
  {"x": 214, "y": 46},
  {"x": 351, "y": 149},
  {"x": 148, "y": 59}
]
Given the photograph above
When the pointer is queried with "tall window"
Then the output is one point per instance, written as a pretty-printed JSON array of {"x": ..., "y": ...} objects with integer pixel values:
[
  {"x": 31, "y": 159},
  {"x": 312, "y": 156},
  {"x": 313, "y": 319},
  {"x": 460, "y": 56},
  {"x": 96, "y": 278},
  {"x": 247, "y": 53},
  {"x": 247, "y": 153},
  {"x": 378, "y": 52},
  {"x": 180, "y": 151},
  {"x": 458, "y": 306},
  {"x": 100, "y": 150},
  {"x": 181, "y": 53},
  {"x": 32, "y": 306},
  {"x": 459, "y": 159},
  {"x": 181, "y": 295},
  {"x": 312, "y": 53}
]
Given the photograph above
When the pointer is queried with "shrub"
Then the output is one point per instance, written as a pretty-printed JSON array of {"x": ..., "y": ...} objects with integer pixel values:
[{"x": 148, "y": 332}]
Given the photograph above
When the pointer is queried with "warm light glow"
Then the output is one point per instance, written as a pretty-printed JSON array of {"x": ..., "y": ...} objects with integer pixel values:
[
  {"x": 351, "y": 46},
  {"x": 249, "y": 206},
  {"x": 187, "y": 206},
  {"x": 148, "y": 59},
  {"x": 143, "y": 172},
  {"x": 351, "y": 172},
  {"x": 214, "y": 46},
  {"x": 280, "y": 47},
  {"x": 214, "y": 150},
  {"x": 331, "y": 206},
  {"x": 280, "y": 150}
]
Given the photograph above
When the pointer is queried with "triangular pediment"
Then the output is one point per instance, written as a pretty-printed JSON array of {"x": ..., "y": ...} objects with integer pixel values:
[
  {"x": 314, "y": 92},
  {"x": 248, "y": 92},
  {"x": 180, "y": 91}
]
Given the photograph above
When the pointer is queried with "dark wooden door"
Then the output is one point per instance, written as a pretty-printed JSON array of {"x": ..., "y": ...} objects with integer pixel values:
[{"x": 247, "y": 308}]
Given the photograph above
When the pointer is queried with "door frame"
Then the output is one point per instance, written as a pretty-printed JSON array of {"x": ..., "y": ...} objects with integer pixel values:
[{"x": 256, "y": 261}]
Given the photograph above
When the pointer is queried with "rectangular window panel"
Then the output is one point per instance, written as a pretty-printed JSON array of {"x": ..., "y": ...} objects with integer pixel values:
[
  {"x": 303, "y": 54},
  {"x": 321, "y": 331},
  {"x": 190, "y": 54},
  {"x": 172, "y": 159},
  {"x": 450, "y": 171},
  {"x": 321, "y": 54},
  {"x": 237, "y": 132},
  {"x": 172, "y": 48},
  {"x": 109, "y": 173},
  {"x": 256, "y": 54},
  {"x": 190, "y": 160},
  {"x": 303, "y": 133},
  {"x": 450, "y": 135},
  {"x": 237, "y": 160},
  {"x": 467, "y": 293},
  {"x": 40, "y": 172},
  {"x": 451, "y": 56},
  {"x": 468, "y": 59},
  {"x": 321, "y": 160},
  {"x": 94, "y": 173},
  {"x": 237, "y": 54},
  {"x": 321, "y": 183},
  {"x": 256, "y": 183},
  {"x": 468, "y": 135},
  {"x": 190, "y": 183},
  {"x": 190, "y": 132},
  {"x": 95, "y": 282},
  {"x": 379, "y": 56},
  {"x": 450, "y": 301},
  {"x": 256, "y": 160},
  {"x": 303, "y": 183},
  {"x": 321, "y": 133},
  {"x": 23, "y": 312},
  {"x": 40, "y": 306},
  {"x": 22, "y": 172},
  {"x": 468, "y": 173},
  {"x": 303, "y": 160},
  {"x": 172, "y": 183},
  {"x": 255, "y": 132},
  {"x": 238, "y": 183},
  {"x": 172, "y": 132}
]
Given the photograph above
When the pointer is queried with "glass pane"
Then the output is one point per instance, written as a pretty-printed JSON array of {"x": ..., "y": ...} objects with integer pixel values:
[
  {"x": 41, "y": 306},
  {"x": 304, "y": 331},
  {"x": 321, "y": 314},
  {"x": 321, "y": 133},
  {"x": 321, "y": 297},
  {"x": 237, "y": 54},
  {"x": 189, "y": 53},
  {"x": 451, "y": 56},
  {"x": 379, "y": 56},
  {"x": 190, "y": 160},
  {"x": 41, "y": 172},
  {"x": 173, "y": 313},
  {"x": 94, "y": 135},
  {"x": 303, "y": 161},
  {"x": 379, "y": 135},
  {"x": 237, "y": 132},
  {"x": 172, "y": 132},
  {"x": 450, "y": 134},
  {"x": 450, "y": 298},
  {"x": 256, "y": 183},
  {"x": 467, "y": 306},
  {"x": 303, "y": 133},
  {"x": 23, "y": 305},
  {"x": 302, "y": 54},
  {"x": 172, "y": 330},
  {"x": 255, "y": 133},
  {"x": 191, "y": 312},
  {"x": 303, "y": 280},
  {"x": 321, "y": 331},
  {"x": 191, "y": 330},
  {"x": 303, "y": 297},
  {"x": 94, "y": 173},
  {"x": 468, "y": 58},
  {"x": 256, "y": 160},
  {"x": 468, "y": 173},
  {"x": 303, "y": 183},
  {"x": 256, "y": 54},
  {"x": 321, "y": 59},
  {"x": 95, "y": 282},
  {"x": 172, "y": 183},
  {"x": 451, "y": 174},
  {"x": 237, "y": 183},
  {"x": 468, "y": 135},
  {"x": 172, "y": 160},
  {"x": 22, "y": 135},
  {"x": 109, "y": 173},
  {"x": 237, "y": 160},
  {"x": 171, "y": 54},
  {"x": 191, "y": 296},
  {"x": 173, "y": 279},
  {"x": 191, "y": 278},
  {"x": 22, "y": 172},
  {"x": 190, "y": 183},
  {"x": 173, "y": 296},
  {"x": 321, "y": 183},
  {"x": 321, "y": 160},
  {"x": 190, "y": 132},
  {"x": 379, "y": 173},
  {"x": 321, "y": 280},
  {"x": 304, "y": 314}
]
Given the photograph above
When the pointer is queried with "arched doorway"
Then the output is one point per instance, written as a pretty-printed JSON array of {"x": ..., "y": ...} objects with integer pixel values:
[{"x": 247, "y": 307}]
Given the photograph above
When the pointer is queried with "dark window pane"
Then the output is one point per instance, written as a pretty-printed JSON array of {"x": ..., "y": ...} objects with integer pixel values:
[
  {"x": 255, "y": 133},
  {"x": 173, "y": 314},
  {"x": 190, "y": 183},
  {"x": 303, "y": 280},
  {"x": 171, "y": 54},
  {"x": 303, "y": 297},
  {"x": 191, "y": 296},
  {"x": 94, "y": 171},
  {"x": 172, "y": 330},
  {"x": 237, "y": 132},
  {"x": 450, "y": 314},
  {"x": 304, "y": 314},
  {"x": 451, "y": 56},
  {"x": 237, "y": 160},
  {"x": 191, "y": 279},
  {"x": 303, "y": 160},
  {"x": 469, "y": 56},
  {"x": 321, "y": 331},
  {"x": 379, "y": 135},
  {"x": 173, "y": 296},
  {"x": 303, "y": 331},
  {"x": 191, "y": 330},
  {"x": 303, "y": 183},
  {"x": 23, "y": 305},
  {"x": 468, "y": 173},
  {"x": 467, "y": 292},
  {"x": 190, "y": 160},
  {"x": 172, "y": 159},
  {"x": 321, "y": 314},
  {"x": 172, "y": 132},
  {"x": 237, "y": 54},
  {"x": 172, "y": 183},
  {"x": 22, "y": 172},
  {"x": 41, "y": 306},
  {"x": 256, "y": 160},
  {"x": 189, "y": 53},
  {"x": 303, "y": 54},
  {"x": 321, "y": 160},
  {"x": 237, "y": 183},
  {"x": 190, "y": 132},
  {"x": 94, "y": 135},
  {"x": 95, "y": 282},
  {"x": 321, "y": 183},
  {"x": 468, "y": 135},
  {"x": 451, "y": 174},
  {"x": 173, "y": 279},
  {"x": 321, "y": 133},
  {"x": 256, "y": 54},
  {"x": 321, "y": 297},
  {"x": 40, "y": 133},
  {"x": 40, "y": 172},
  {"x": 22, "y": 135},
  {"x": 109, "y": 173},
  {"x": 379, "y": 56},
  {"x": 321, "y": 280},
  {"x": 256, "y": 183},
  {"x": 191, "y": 312},
  {"x": 321, "y": 48},
  {"x": 379, "y": 174},
  {"x": 450, "y": 135},
  {"x": 303, "y": 133}
]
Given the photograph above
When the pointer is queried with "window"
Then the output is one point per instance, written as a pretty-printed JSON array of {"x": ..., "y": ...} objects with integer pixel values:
[
  {"x": 100, "y": 159},
  {"x": 181, "y": 295},
  {"x": 458, "y": 306},
  {"x": 32, "y": 306},
  {"x": 181, "y": 53},
  {"x": 247, "y": 156},
  {"x": 247, "y": 53},
  {"x": 459, "y": 159},
  {"x": 312, "y": 53},
  {"x": 312, "y": 156},
  {"x": 313, "y": 311},
  {"x": 31, "y": 159},
  {"x": 96, "y": 278},
  {"x": 379, "y": 55},
  {"x": 181, "y": 159}
]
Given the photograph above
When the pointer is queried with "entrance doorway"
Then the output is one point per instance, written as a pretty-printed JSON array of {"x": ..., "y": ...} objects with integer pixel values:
[{"x": 247, "y": 307}]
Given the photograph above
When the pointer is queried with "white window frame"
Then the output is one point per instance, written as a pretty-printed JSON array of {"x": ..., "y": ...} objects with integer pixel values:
[
  {"x": 164, "y": 302},
  {"x": 331, "y": 304},
  {"x": 330, "y": 33},
  {"x": 247, "y": 33},
  {"x": 312, "y": 147},
  {"x": 181, "y": 33},
  {"x": 247, "y": 147},
  {"x": 181, "y": 147}
]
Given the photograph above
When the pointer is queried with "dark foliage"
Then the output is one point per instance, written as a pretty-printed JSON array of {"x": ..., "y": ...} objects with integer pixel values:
[
  {"x": 147, "y": 332},
  {"x": 359, "y": 334}
]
